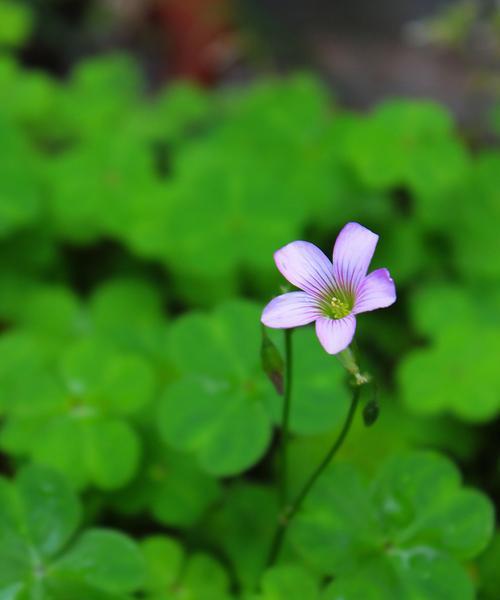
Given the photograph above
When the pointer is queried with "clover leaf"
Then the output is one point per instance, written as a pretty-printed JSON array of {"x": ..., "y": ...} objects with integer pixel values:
[
  {"x": 97, "y": 186},
  {"x": 406, "y": 534},
  {"x": 288, "y": 582},
  {"x": 171, "y": 574},
  {"x": 414, "y": 574},
  {"x": 114, "y": 315},
  {"x": 221, "y": 407},
  {"x": 241, "y": 528},
  {"x": 169, "y": 485},
  {"x": 52, "y": 313},
  {"x": 407, "y": 142},
  {"x": 221, "y": 218},
  {"x": 41, "y": 554},
  {"x": 474, "y": 213},
  {"x": 217, "y": 408},
  {"x": 176, "y": 111},
  {"x": 57, "y": 316},
  {"x": 406, "y": 234},
  {"x": 489, "y": 575},
  {"x": 20, "y": 195},
  {"x": 28, "y": 98},
  {"x": 15, "y": 23},
  {"x": 448, "y": 375},
  {"x": 102, "y": 94},
  {"x": 396, "y": 431},
  {"x": 20, "y": 354},
  {"x": 73, "y": 416}
]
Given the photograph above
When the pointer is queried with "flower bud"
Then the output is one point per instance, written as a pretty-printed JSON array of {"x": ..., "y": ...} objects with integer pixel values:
[
  {"x": 370, "y": 413},
  {"x": 272, "y": 362}
]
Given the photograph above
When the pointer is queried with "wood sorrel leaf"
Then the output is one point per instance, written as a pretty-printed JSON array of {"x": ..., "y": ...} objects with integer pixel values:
[
  {"x": 217, "y": 407},
  {"x": 170, "y": 485},
  {"x": 453, "y": 374},
  {"x": 289, "y": 582},
  {"x": 16, "y": 21},
  {"x": 39, "y": 554},
  {"x": 72, "y": 416},
  {"x": 221, "y": 407},
  {"x": 473, "y": 218},
  {"x": 487, "y": 564},
  {"x": 20, "y": 190},
  {"x": 243, "y": 518},
  {"x": 173, "y": 574},
  {"x": 412, "y": 527}
]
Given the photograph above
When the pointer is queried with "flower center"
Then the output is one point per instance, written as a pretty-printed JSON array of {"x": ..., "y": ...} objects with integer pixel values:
[
  {"x": 339, "y": 308},
  {"x": 337, "y": 303}
]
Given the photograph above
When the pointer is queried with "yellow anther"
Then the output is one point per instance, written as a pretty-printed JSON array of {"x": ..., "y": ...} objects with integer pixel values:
[{"x": 339, "y": 309}]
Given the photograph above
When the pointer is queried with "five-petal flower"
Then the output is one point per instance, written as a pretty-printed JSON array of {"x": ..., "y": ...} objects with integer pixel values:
[{"x": 332, "y": 294}]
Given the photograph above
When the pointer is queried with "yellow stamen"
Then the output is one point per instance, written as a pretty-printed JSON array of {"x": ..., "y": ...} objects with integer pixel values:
[{"x": 339, "y": 309}]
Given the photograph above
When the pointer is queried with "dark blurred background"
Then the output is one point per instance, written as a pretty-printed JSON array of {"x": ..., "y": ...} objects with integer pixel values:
[{"x": 447, "y": 50}]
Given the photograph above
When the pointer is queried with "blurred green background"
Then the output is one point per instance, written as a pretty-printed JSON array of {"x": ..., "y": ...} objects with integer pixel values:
[{"x": 153, "y": 156}]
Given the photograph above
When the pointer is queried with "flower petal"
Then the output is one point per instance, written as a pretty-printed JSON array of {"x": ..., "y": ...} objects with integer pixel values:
[
  {"x": 290, "y": 310},
  {"x": 352, "y": 253},
  {"x": 305, "y": 265},
  {"x": 375, "y": 291},
  {"x": 335, "y": 334}
]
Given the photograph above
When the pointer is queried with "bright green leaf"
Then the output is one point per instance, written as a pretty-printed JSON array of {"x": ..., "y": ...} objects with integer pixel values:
[
  {"x": 217, "y": 409},
  {"x": 39, "y": 555},
  {"x": 104, "y": 559},
  {"x": 15, "y": 23},
  {"x": 411, "y": 529},
  {"x": 289, "y": 582}
]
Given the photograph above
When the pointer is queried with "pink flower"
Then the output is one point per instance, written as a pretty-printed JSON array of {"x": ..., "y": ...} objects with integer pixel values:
[{"x": 332, "y": 294}]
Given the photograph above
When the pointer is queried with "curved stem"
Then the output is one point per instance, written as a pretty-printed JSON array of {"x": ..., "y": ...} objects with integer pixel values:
[
  {"x": 290, "y": 511},
  {"x": 285, "y": 420}
]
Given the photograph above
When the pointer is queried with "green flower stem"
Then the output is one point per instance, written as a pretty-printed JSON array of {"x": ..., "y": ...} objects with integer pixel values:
[
  {"x": 285, "y": 420},
  {"x": 291, "y": 510}
]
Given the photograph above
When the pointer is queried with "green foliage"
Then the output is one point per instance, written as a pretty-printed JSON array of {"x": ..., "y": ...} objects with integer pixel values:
[
  {"x": 289, "y": 582},
  {"x": 222, "y": 406},
  {"x": 461, "y": 363},
  {"x": 489, "y": 575},
  {"x": 71, "y": 417},
  {"x": 217, "y": 408},
  {"x": 404, "y": 535},
  {"x": 170, "y": 485},
  {"x": 39, "y": 554},
  {"x": 101, "y": 95},
  {"x": 476, "y": 209},
  {"x": 73, "y": 411},
  {"x": 136, "y": 239},
  {"x": 242, "y": 527},
  {"x": 320, "y": 394},
  {"x": 171, "y": 574},
  {"x": 20, "y": 201},
  {"x": 410, "y": 144},
  {"x": 29, "y": 98},
  {"x": 15, "y": 23},
  {"x": 242, "y": 163}
]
